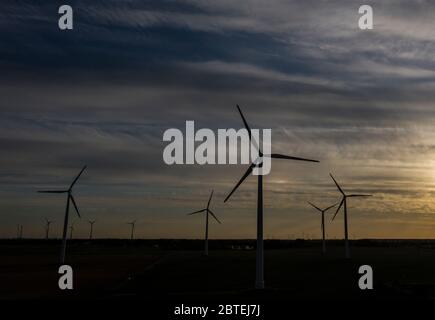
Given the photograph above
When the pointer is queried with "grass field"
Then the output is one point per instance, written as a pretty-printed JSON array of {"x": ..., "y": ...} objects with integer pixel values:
[{"x": 170, "y": 269}]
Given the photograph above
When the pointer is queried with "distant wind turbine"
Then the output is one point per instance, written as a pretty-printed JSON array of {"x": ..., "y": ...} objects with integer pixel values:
[
  {"x": 69, "y": 199},
  {"x": 344, "y": 204},
  {"x": 47, "y": 227},
  {"x": 132, "y": 229},
  {"x": 322, "y": 211},
  {"x": 207, "y": 211},
  {"x": 91, "y": 222},
  {"x": 259, "y": 283},
  {"x": 71, "y": 229}
]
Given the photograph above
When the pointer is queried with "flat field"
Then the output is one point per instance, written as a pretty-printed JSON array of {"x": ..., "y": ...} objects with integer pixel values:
[{"x": 174, "y": 270}]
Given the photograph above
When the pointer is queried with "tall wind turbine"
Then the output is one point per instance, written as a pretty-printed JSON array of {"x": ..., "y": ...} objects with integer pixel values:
[
  {"x": 132, "y": 229},
  {"x": 47, "y": 227},
  {"x": 207, "y": 211},
  {"x": 69, "y": 199},
  {"x": 322, "y": 211},
  {"x": 259, "y": 283},
  {"x": 91, "y": 222},
  {"x": 344, "y": 204}
]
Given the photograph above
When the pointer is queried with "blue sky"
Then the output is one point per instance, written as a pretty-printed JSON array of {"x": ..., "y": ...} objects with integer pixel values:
[{"x": 362, "y": 102}]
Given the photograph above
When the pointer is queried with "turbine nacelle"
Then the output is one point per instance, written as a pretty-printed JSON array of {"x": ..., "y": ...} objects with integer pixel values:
[
  {"x": 258, "y": 162},
  {"x": 322, "y": 210},
  {"x": 68, "y": 191},
  {"x": 345, "y": 196},
  {"x": 207, "y": 209}
]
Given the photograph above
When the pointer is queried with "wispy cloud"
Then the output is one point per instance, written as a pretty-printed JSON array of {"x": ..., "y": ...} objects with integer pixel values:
[{"x": 361, "y": 102}]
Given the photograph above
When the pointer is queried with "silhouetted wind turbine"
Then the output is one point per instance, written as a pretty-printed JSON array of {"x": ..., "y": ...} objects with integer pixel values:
[
  {"x": 344, "y": 202},
  {"x": 207, "y": 211},
  {"x": 258, "y": 163},
  {"x": 322, "y": 211},
  {"x": 19, "y": 231},
  {"x": 68, "y": 199},
  {"x": 71, "y": 229},
  {"x": 91, "y": 222},
  {"x": 132, "y": 228},
  {"x": 47, "y": 227}
]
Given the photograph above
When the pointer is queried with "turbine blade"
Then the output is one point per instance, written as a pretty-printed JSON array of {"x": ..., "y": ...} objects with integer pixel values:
[
  {"x": 75, "y": 205},
  {"x": 339, "y": 189},
  {"x": 211, "y": 195},
  {"x": 214, "y": 216},
  {"x": 330, "y": 207},
  {"x": 360, "y": 195},
  {"x": 338, "y": 209},
  {"x": 53, "y": 191},
  {"x": 189, "y": 214},
  {"x": 282, "y": 156},
  {"x": 249, "y": 131},
  {"x": 314, "y": 206},
  {"x": 247, "y": 173},
  {"x": 77, "y": 178}
]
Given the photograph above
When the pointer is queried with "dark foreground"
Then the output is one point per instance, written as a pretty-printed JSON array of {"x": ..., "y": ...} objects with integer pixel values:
[{"x": 177, "y": 271}]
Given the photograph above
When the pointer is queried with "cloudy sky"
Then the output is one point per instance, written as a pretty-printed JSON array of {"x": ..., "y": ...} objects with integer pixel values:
[{"x": 362, "y": 102}]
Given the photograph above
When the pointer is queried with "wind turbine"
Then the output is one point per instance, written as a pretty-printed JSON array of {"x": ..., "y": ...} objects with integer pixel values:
[
  {"x": 91, "y": 222},
  {"x": 71, "y": 229},
  {"x": 322, "y": 211},
  {"x": 47, "y": 227},
  {"x": 69, "y": 199},
  {"x": 207, "y": 211},
  {"x": 132, "y": 228},
  {"x": 259, "y": 283},
  {"x": 344, "y": 204}
]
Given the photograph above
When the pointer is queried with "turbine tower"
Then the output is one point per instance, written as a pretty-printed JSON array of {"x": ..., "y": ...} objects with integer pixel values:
[
  {"x": 207, "y": 211},
  {"x": 322, "y": 211},
  {"x": 19, "y": 231},
  {"x": 69, "y": 199},
  {"x": 91, "y": 222},
  {"x": 259, "y": 283},
  {"x": 47, "y": 227},
  {"x": 344, "y": 204},
  {"x": 71, "y": 229},
  {"x": 132, "y": 229}
]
